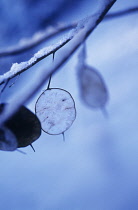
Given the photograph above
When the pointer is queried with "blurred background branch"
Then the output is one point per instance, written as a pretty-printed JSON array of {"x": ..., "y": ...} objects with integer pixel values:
[{"x": 51, "y": 31}]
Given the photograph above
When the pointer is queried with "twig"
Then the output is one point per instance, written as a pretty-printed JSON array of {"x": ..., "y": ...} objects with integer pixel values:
[
  {"x": 32, "y": 147},
  {"x": 17, "y": 69},
  {"x": 40, "y": 55},
  {"x": 39, "y": 37},
  {"x": 26, "y": 93},
  {"x": 49, "y": 82},
  {"x": 121, "y": 13},
  {"x": 4, "y": 87},
  {"x": 43, "y": 53},
  {"x": 50, "y": 77}
]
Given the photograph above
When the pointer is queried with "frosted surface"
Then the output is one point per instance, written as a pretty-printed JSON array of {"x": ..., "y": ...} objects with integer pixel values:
[{"x": 55, "y": 109}]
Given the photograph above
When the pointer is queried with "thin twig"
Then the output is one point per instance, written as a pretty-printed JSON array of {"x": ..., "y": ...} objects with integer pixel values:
[
  {"x": 121, "y": 13},
  {"x": 49, "y": 81},
  {"x": 32, "y": 147},
  {"x": 40, "y": 55},
  {"x": 50, "y": 77},
  {"x": 5, "y": 85},
  {"x": 26, "y": 93},
  {"x": 63, "y": 134}
]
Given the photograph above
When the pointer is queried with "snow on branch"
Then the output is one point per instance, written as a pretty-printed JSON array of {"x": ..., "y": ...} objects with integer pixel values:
[
  {"x": 39, "y": 37},
  {"x": 18, "y": 68},
  {"x": 51, "y": 31},
  {"x": 79, "y": 36}
]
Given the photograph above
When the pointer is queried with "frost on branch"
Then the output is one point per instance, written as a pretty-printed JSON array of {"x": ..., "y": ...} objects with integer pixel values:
[
  {"x": 56, "y": 111},
  {"x": 18, "y": 68},
  {"x": 92, "y": 87}
]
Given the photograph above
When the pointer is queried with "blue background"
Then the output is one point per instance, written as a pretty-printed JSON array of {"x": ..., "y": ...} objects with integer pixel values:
[{"x": 97, "y": 166}]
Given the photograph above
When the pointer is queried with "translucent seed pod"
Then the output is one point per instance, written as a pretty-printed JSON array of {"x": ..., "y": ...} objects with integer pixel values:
[
  {"x": 92, "y": 87},
  {"x": 56, "y": 110}
]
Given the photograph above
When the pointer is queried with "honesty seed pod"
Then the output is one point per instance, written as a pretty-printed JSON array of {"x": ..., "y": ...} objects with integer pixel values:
[
  {"x": 92, "y": 87},
  {"x": 56, "y": 110},
  {"x": 24, "y": 125}
]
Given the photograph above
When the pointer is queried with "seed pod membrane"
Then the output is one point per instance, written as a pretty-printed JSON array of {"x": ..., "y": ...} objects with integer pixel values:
[
  {"x": 24, "y": 125},
  {"x": 56, "y": 111},
  {"x": 8, "y": 141},
  {"x": 92, "y": 87}
]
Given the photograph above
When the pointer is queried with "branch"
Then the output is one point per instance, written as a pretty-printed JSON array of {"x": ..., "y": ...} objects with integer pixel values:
[
  {"x": 36, "y": 39},
  {"x": 17, "y": 69},
  {"x": 121, "y": 13},
  {"x": 87, "y": 26},
  {"x": 39, "y": 37}
]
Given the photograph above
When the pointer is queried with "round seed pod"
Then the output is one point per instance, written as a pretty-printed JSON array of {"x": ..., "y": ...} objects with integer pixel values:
[
  {"x": 8, "y": 141},
  {"x": 24, "y": 125},
  {"x": 56, "y": 110},
  {"x": 92, "y": 87}
]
